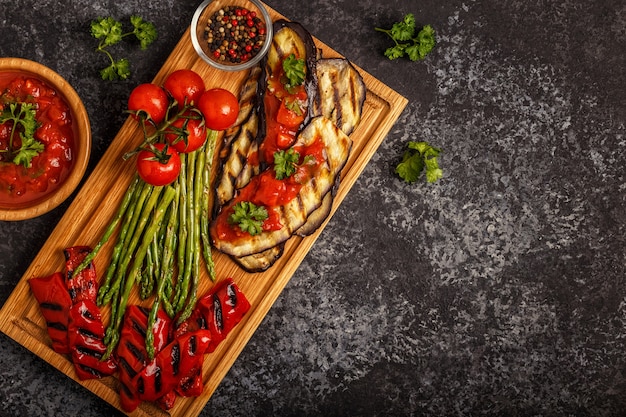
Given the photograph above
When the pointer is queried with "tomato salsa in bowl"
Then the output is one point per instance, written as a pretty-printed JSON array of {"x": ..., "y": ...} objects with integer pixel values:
[{"x": 45, "y": 139}]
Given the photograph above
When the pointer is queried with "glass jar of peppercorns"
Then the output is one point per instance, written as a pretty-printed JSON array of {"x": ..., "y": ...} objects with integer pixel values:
[{"x": 231, "y": 34}]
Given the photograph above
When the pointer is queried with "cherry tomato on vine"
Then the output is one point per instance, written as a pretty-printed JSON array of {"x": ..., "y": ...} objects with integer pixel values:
[
  {"x": 158, "y": 167},
  {"x": 220, "y": 108},
  {"x": 149, "y": 101},
  {"x": 185, "y": 86},
  {"x": 187, "y": 133}
]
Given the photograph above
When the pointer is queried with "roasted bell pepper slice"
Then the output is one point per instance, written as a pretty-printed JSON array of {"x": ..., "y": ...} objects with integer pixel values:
[
  {"x": 219, "y": 311},
  {"x": 54, "y": 302},
  {"x": 192, "y": 385},
  {"x": 223, "y": 309},
  {"x": 180, "y": 359},
  {"x": 131, "y": 350},
  {"x": 84, "y": 286},
  {"x": 86, "y": 334}
]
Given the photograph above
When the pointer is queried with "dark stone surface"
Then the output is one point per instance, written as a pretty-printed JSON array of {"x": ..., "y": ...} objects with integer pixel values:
[{"x": 500, "y": 290}]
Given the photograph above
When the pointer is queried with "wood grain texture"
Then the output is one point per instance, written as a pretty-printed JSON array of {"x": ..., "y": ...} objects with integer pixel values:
[{"x": 96, "y": 203}]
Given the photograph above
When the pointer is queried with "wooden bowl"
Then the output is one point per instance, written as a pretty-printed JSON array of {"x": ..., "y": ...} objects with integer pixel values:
[{"x": 81, "y": 140}]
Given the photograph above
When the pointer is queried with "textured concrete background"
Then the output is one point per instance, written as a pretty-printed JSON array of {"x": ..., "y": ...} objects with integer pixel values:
[{"x": 498, "y": 291}]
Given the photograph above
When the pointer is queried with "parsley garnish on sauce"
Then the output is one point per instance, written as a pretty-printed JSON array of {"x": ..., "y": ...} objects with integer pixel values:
[
  {"x": 249, "y": 217},
  {"x": 24, "y": 124},
  {"x": 294, "y": 69},
  {"x": 285, "y": 163}
]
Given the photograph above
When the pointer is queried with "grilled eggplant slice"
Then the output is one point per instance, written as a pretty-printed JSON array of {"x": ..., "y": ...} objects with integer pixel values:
[
  {"x": 336, "y": 92},
  {"x": 258, "y": 262},
  {"x": 292, "y": 38},
  {"x": 316, "y": 218},
  {"x": 240, "y": 147},
  {"x": 239, "y": 143},
  {"x": 236, "y": 170},
  {"x": 341, "y": 93},
  {"x": 248, "y": 103},
  {"x": 294, "y": 214},
  {"x": 340, "y": 97}
]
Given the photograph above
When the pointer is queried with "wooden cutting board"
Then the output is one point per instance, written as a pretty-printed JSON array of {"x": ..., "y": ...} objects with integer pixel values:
[{"x": 95, "y": 204}]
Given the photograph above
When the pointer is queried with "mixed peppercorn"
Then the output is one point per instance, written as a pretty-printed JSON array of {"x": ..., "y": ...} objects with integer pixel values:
[{"x": 234, "y": 34}]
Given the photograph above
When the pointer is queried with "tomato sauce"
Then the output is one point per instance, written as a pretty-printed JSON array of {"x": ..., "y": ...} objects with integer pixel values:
[
  {"x": 282, "y": 123},
  {"x": 265, "y": 190},
  {"x": 285, "y": 110},
  {"x": 20, "y": 185}
]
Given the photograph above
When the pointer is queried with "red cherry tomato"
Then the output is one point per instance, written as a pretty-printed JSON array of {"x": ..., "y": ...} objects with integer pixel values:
[
  {"x": 284, "y": 139},
  {"x": 149, "y": 101},
  {"x": 220, "y": 108},
  {"x": 187, "y": 133},
  {"x": 185, "y": 86},
  {"x": 288, "y": 117},
  {"x": 158, "y": 168}
]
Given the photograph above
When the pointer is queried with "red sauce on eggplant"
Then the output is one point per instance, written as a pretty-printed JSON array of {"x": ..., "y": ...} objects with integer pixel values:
[
  {"x": 20, "y": 185},
  {"x": 265, "y": 190},
  {"x": 282, "y": 123},
  {"x": 285, "y": 111}
]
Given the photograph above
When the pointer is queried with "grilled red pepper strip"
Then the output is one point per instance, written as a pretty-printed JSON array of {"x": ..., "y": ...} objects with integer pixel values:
[
  {"x": 227, "y": 308},
  {"x": 191, "y": 386},
  {"x": 86, "y": 333},
  {"x": 84, "y": 286},
  {"x": 180, "y": 359},
  {"x": 219, "y": 311},
  {"x": 54, "y": 303},
  {"x": 167, "y": 401},
  {"x": 131, "y": 351}
]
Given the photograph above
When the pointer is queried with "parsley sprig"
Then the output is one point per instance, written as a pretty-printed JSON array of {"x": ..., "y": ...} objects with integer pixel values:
[
  {"x": 22, "y": 118},
  {"x": 294, "y": 69},
  {"x": 285, "y": 163},
  {"x": 110, "y": 32},
  {"x": 418, "y": 157},
  {"x": 407, "y": 42},
  {"x": 249, "y": 217}
]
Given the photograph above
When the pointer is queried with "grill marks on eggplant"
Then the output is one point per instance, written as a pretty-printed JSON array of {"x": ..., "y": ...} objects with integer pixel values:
[
  {"x": 239, "y": 143},
  {"x": 236, "y": 170},
  {"x": 262, "y": 260},
  {"x": 342, "y": 93},
  {"x": 294, "y": 214},
  {"x": 248, "y": 101},
  {"x": 336, "y": 92}
]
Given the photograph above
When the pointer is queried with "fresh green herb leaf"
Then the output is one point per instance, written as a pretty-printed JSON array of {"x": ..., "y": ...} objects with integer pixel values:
[
  {"x": 111, "y": 32},
  {"x": 395, "y": 52},
  {"x": 107, "y": 29},
  {"x": 309, "y": 160},
  {"x": 118, "y": 70},
  {"x": 418, "y": 157},
  {"x": 294, "y": 105},
  {"x": 294, "y": 69},
  {"x": 285, "y": 163},
  {"x": 404, "y": 30},
  {"x": 425, "y": 44},
  {"x": 22, "y": 117},
  {"x": 249, "y": 217},
  {"x": 29, "y": 149},
  {"x": 407, "y": 42},
  {"x": 144, "y": 31}
]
